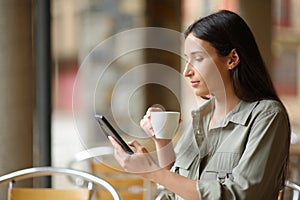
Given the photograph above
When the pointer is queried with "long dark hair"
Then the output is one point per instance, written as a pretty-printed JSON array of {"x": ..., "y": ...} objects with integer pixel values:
[{"x": 225, "y": 31}]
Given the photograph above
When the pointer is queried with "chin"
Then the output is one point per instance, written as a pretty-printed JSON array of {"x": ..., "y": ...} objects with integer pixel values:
[{"x": 202, "y": 93}]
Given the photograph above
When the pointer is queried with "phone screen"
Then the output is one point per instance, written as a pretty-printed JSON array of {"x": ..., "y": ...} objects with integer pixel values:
[{"x": 110, "y": 131}]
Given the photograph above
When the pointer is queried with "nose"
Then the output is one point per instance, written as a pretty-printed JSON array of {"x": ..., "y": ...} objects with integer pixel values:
[{"x": 188, "y": 70}]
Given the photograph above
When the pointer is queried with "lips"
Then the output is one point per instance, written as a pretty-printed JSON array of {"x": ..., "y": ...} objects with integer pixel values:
[{"x": 194, "y": 83}]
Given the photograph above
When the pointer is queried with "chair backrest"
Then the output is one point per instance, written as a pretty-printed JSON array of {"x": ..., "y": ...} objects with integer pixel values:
[
  {"x": 291, "y": 191},
  {"x": 54, "y": 194},
  {"x": 48, "y": 194},
  {"x": 129, "y": 186}
]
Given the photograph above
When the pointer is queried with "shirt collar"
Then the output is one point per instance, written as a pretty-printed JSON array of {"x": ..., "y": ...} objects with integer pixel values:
[{"x": 238, "y": 115}]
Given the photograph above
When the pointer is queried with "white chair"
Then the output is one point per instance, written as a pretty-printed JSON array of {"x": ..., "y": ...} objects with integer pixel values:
[
  {"x": 291, "y": 191},
  {"x": 15, "y": 193},
  {"x": 100, "y": 161}
]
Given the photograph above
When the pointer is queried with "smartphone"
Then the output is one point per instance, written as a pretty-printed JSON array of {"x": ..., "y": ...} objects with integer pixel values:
[{"x": 109, "y": 130}]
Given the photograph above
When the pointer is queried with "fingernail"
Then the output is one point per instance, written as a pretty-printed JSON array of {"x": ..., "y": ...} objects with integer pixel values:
[{"x": 130, "y": 142}]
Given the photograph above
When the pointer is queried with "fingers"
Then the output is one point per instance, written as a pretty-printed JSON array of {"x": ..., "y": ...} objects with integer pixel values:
[
  {"x": 139, "y": 148},
  {"x": 146, "y": 125},
  {"x": 153, "y": 109},
  {"x": 121, "y": 156},
  {"x": 139, "y": 163},
  {"x": 115, "y": 144},
  {"x": 118, "y": 149}
]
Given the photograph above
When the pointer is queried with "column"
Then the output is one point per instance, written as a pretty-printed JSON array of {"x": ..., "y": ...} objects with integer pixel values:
[
  {"x": 164, "y": 14},
  {"x": 258, "y": 15},
  {"x": 16, "y": 86}
]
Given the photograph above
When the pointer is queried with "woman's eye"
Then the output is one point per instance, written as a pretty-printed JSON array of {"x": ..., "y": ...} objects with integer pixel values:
[{"x": 199, "y": 59}]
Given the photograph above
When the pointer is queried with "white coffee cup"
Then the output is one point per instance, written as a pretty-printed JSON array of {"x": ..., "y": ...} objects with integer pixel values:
[{"x": 165, "y": 123}]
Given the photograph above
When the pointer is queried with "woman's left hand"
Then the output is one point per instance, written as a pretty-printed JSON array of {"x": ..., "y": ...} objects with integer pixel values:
[{"x": 140, "y": 162}]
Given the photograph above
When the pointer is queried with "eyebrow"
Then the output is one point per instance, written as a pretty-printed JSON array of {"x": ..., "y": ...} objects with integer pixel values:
[{"x": 196, "y": 52}]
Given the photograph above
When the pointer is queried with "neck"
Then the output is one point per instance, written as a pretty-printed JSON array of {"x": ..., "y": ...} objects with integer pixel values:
[{"x": 223, "y": 105}]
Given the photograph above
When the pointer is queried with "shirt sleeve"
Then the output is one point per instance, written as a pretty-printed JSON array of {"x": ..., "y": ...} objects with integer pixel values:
[{"x": 260, "y": 171}]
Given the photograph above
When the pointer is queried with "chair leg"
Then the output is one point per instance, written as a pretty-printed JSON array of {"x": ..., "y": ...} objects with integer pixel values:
[
  {"x": 295, "y": 195},
  {"x": 280, "y": 196}
]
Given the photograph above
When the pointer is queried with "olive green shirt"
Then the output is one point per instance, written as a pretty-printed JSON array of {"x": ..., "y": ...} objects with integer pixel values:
[{"x": 243, "y": 157}]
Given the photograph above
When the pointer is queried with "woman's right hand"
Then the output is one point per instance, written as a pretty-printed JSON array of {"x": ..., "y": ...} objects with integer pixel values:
[
  {"x": 145, "y": 123},
  {"x": 164, "y": 147}
]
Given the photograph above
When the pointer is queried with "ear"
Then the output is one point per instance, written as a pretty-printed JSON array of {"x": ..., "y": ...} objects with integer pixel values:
[{"x": 233, "y": 59}]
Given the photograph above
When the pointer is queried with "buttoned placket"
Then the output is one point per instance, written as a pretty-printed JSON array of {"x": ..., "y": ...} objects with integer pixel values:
[
  {"x": 197, "y": 132},
  {"x": 222, "y": 177}
]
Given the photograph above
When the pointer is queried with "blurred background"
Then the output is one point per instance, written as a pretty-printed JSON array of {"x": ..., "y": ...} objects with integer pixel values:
[{"x": 64, "y": 61}]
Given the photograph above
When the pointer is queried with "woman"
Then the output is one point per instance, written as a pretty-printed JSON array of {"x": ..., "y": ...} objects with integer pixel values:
[{"x": 238, "y": 144}]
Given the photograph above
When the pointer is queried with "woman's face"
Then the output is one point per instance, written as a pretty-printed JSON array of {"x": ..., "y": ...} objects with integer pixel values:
[{"x": 204, "y": 68}]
